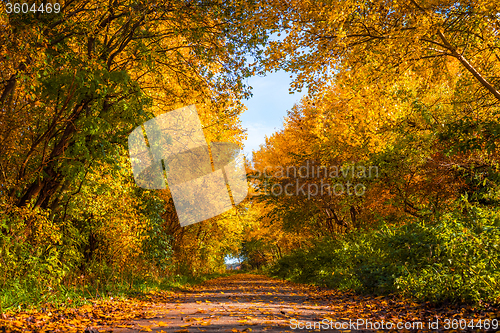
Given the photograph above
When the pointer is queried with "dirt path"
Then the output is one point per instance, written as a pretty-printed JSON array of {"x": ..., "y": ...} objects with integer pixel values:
[
  {"x": 239, "y": 303},
  {"x": 251, "y": 303}
]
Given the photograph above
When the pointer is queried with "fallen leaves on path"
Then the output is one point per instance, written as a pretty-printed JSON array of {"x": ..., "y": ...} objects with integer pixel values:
[{"x": 251, "y": 303}]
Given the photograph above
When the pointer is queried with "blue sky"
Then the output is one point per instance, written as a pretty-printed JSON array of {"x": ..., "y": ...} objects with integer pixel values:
[
  {"x": 266, "y": 112},
  {"x": 267, "y": 108}
]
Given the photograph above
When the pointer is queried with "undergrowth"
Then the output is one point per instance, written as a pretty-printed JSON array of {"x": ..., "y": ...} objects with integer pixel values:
[
  {"x": 453, "y": 259},
  {"x": 20, "y": 296}
]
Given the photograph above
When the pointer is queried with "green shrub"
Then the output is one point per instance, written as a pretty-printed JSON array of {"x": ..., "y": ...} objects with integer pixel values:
[{"x": 454, "y": 259}]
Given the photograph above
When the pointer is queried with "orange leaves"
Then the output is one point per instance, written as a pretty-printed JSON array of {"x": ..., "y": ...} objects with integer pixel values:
[
  {"x": 99, "y": 314},
  {"x": 252, "y": 313}
]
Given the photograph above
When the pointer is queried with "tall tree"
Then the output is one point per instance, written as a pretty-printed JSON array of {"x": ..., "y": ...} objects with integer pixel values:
[{"x": 76, "y": 82}]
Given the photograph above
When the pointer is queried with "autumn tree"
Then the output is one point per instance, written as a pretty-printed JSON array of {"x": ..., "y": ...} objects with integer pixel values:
[
  {"x": 73, "y": 85},
  {"x": 444, "y": 50},
  {"x": 90, "y": 73}
]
